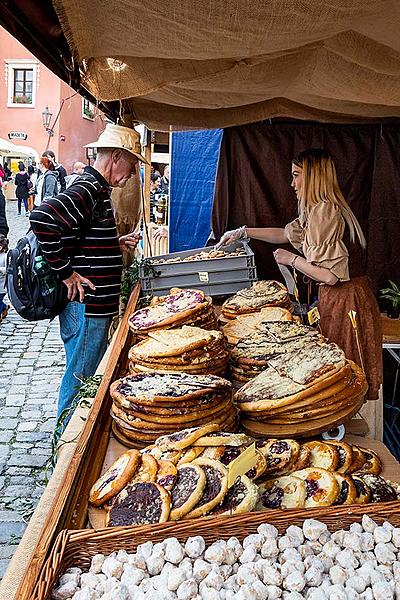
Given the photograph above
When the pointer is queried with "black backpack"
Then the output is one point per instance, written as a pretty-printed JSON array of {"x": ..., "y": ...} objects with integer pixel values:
[{"x": 23, "y": 284}]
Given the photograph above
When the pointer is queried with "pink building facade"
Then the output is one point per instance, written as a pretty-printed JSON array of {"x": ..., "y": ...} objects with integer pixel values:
[{"x": 26, "y": 88}]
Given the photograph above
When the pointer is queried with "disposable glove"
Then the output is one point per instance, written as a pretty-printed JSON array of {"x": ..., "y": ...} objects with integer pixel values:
[{"x": 232, "y": 236}]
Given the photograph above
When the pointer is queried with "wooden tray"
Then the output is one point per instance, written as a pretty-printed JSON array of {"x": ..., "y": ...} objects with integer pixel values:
[{"x": 76, "y": 548}]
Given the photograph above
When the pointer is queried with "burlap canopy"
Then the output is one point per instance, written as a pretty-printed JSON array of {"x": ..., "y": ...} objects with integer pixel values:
[{"x": 218, "y": 63}]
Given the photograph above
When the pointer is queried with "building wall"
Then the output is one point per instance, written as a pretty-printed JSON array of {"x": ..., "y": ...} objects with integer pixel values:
[{"x": 71, "y": 130}]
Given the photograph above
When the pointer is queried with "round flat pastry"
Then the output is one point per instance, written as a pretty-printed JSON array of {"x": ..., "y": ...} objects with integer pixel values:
[
  {"x": 363, "y": 493},
  {"x": 259, "y": 468},
  {"x": 279, "y": 454},
  {"x": 147, "y": 470},
  {"x": 229, "y": 454},
  {"x": 217, "y": 438},
  {"x": 345, "y": 453},
  {"x": 214, "y": 452},
  {"x": 323, "y": 456},
  {"x": 285, "y": 492},
  {"x": 304, "y": 459},
  {"x": 381, "y": 490},
  {"x": 347, "y": 490},
  {"x": 322, "y": 488},
  {"x": 115, "y": 478},
  {"x": 215, "y": 488},
  {"x": 190, "y": 454},
  {"x": 373, "y": 463},
  {"x": 186, "y": 437},
  {"x": 140, "y": 504},
  {"x": 241, "y": 497},
  {"x": 166, "y": 474},
  {"x": 358, "y": 460},
  {"x": 187, "y": 491}
]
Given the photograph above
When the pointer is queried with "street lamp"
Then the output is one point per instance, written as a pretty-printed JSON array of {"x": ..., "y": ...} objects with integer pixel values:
[{"x": 46, "y": 117}]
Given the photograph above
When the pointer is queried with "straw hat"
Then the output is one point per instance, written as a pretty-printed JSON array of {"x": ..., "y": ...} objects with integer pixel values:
[{"x": 117, "y": 136}]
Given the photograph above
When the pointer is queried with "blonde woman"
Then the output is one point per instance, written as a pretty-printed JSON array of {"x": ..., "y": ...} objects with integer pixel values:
[{"x": 332, "y": 247}]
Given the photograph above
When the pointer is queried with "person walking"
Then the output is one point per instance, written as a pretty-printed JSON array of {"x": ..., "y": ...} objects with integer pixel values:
[
  {"x": 332, "y": 250},
  {"x": 58, "y": 168},
  {"x": 22, "y": 188},
  {"x": 77, "y": 170},
  {"x": 78, "y": 237},
  {"x": 46, "y": 182},
  {"x": 32, "y": 178}
]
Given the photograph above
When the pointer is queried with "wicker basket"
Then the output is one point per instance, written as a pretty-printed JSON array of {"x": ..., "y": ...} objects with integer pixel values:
[{"x": 76, "y": 548}]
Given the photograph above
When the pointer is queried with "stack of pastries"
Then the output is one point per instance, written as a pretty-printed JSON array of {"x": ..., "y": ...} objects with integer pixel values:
[{"x": 260, "y": 295}]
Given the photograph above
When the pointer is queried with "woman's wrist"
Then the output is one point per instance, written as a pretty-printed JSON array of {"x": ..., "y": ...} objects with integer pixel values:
[{"x": 293, "y": 261}]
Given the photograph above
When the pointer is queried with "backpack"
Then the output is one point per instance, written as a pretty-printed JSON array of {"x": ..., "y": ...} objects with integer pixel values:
[{"x": 24, "y": 286}]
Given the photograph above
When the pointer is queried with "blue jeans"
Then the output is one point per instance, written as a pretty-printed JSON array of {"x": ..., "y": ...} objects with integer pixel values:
[
  {"x": 3, "y": 305},
  {"x": 85, "y": 341}
]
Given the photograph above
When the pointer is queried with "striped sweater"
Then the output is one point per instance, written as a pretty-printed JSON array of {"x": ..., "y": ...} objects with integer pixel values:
[{"x": 76, "y": 232}]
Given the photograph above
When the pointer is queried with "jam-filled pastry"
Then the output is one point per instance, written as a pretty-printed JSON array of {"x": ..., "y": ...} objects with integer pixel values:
[
  {"x": 285, "y": 492},
  {"x": 185, "y": 438},
  {"x": 189, "y": 454},
  {"x": 140, "y": 503},
  {"x": 358, "y": 460},
  {"x": 345, "y": 453},
  {"x": 187, "y": 491},
  {"x": 115, "y": 478},
  {"x": 259, "y": 468},
  {"x": 372, "y": 463},
  {"x": 215, "y": 488},
  {"x": 304, "y": 458},
  {"x": 322, "y": 489},
  {"x": 166, "y": 474},
  {"x": 241, "y": 498},
  {"x": 323, "y": 456},
  {"x": 363, "y": 493},
  {"x": 147, "y": 470},
  {"x": 230, "y": 453},
  {"x": 217, "y": 438},
  {"x": 347, "y": 490},
  {"x": 281, "y": 455},
  {"x": 381, "y": 490},
  {"x": 214, "y": 452}
]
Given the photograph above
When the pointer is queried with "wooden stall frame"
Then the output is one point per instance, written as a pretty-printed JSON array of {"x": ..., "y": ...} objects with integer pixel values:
[{"x": 69, "y": 508}]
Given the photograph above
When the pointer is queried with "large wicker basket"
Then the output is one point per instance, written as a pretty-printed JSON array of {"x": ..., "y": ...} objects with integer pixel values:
[{"x": 76, "y": 548}]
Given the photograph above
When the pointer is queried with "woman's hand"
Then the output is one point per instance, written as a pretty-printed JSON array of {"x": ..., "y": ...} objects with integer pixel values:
[
  {"x": 284, "y": 257},
  {"x": 232, "y": 236},
  {"x": 129, "y": 241},
  {"x": 75, "y": 284}
]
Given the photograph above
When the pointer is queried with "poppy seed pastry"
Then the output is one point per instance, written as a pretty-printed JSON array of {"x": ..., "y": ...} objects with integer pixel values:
[
  {"x": 215, "y": 488},
  {"x": 241, "y": 497},
  {"x": 140, "y": 504},
  {"x": 345, "y": 453},
  {"x": 115, "y": 478},
  {"x": 217, "y": 438},
  {"x": 166, "y": 474},
  {"x": 373, "y": 463},
  {"x": 280, "y": 455},
  {"x": 363, "y": 493},
  {"x": 347, "y": 490},
  {"x": 187, "y": 491},
  {"x": 358, "y": 460},
  {"x": 147, "y": 469},
  {"x": 185, "y": 438},
  {"x": 381, "y": 490},
  {"x": 288, "y": 491}
]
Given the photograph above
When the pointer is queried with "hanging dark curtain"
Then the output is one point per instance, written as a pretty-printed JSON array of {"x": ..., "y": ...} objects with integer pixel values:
[{"x": 253, "y": 184}]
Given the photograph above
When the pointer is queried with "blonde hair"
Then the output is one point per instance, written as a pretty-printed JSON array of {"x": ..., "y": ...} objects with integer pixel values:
[{"x": 320, "y": 183}]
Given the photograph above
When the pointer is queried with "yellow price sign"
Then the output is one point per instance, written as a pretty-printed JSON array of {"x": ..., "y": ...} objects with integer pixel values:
[
  {"x": 313, "y": 316},
  {"x": 243, "y": 463}
]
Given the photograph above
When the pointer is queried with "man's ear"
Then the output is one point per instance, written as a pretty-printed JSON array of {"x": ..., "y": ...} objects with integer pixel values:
[{"x": 116, "y": 154}]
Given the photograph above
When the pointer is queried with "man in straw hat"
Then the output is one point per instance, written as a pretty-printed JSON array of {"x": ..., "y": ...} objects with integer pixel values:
[{"x": 77, "y": 234}]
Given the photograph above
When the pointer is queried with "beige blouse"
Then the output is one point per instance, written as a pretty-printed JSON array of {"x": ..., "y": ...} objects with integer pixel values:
[{"x": 321, "y": 239}]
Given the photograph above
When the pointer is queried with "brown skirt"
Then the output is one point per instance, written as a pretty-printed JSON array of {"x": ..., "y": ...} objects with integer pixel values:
[{"x": 334, "y": 304}]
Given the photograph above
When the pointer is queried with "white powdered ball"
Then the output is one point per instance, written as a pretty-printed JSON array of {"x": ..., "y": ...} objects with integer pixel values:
[
  {"x": 272, "y": 575},
  {"x": 67, "y": 577},
  {"x": 111, "y": 584},
  {"x": 274, "y": 592},
  {"x": 122, "y": 556},
  {"x": 376, "y": 577},
  {"x": 367, "y": 595},
  {"x": 260, "y": 590},
  {"x": 186, "y": 566},
  {"x": 214, "y": 580},
  {"x": 396, "y": 570},
  {"x": 295, "y": 582},
  {"x": 255, "y": 539},
  {"x": 270, "y": 548},
  {"x": 112, "y": 567},
  {"x": 209, "y": 594},
  {"x": 235, "y": 545},
  {"x": 313, "y": 577},
  {"x": 345, "y": 558},
  {"x": 195, "y": 546},
  {"x": 174, "y": 551},
  {"x": 248, "y": 555},
  {"x": 396, "y": 537},
  {"x": 230, "y": 556},
  {"x": 175, "y": 578},
  {"x": 324, "y": 537},
  {"x": 382, "y": 591},
  {"x": 384, "y": 555},
  {"x": 305, "y": 550},
  {"x": 216, "y": 552},
  {"x": 388, "y": 525},
  {"x": 292, "y": 596},
  {"x": 316, "y": 594},
  {"x": 138, "y": 561},
  {"x": 201, "y": 569},
  {"x": 326, "y": 560},
  {"x": 382, "y": 535},
  {"x": 337, "y": 592},
  {"x": 232, "y": 584},
  {"x": 367, "y": 541},
  {"x": 331, "y": 549},
  {"x": 337, "y": 537},
  {"x": 85, "y": 594},
  {"x": 356, "y": 528},
  {"x": 386, "y": 572},
  {"x": 97, "y": 563},
  {"x": 268, "y": 531},
  {"x": 155, "y": 563},
  {"x": 351, "y": 541},
  {"x": 132, "y": 575},
  {"x": 352, "y": 594},
  {"x": 90, "y": 580},
  {"x": 312, "y": 529},
  {"x": 230, "y": 595},
  {"x": 289, "y": 554},
  {"x": 314, "y": 561},
  {"x": 187, "y": 590},
  {"x": 337, "y": 575},
  {"x": 290, "y": 566},
  {"x": 296, "y": 534},
  {"x": 226, "y": 571},
  {"x": 247, "y": 592},
  {"x": 247, "y": 573},
  {"x": 285, "y": 542},
  {"x": 316, "y": 547},
  {"x": 65, "y": 591},
  {"x": 357, "y": 582},
  {"x": 368, "y": 524},
  {"x": 145, "y": 549}
]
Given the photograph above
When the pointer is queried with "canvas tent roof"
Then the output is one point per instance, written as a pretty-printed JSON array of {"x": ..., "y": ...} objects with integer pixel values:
[{"x": 216, "y": 63}]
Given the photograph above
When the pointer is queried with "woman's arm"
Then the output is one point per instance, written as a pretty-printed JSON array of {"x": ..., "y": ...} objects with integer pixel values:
[
  {"x": 320, "y": 274},
  {"x": 273, "y": 235}
]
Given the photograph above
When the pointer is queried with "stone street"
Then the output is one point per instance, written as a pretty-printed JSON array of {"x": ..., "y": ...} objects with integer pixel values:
[{"x": 32, "y": 362}]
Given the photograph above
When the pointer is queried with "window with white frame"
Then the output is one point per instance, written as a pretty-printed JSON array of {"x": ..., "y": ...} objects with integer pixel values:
[
  {"x": 21, "y": 83},
  {"x": 87, "y": 109}
]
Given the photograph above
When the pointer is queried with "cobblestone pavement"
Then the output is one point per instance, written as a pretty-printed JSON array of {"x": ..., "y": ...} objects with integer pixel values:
[{"x": 31, "y": 365}]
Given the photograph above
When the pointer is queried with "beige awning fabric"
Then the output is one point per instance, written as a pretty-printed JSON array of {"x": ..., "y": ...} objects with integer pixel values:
[{"x": 184, "y": 63}]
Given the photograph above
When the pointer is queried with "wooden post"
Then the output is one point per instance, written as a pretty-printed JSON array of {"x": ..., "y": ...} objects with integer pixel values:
[{"x": 147, "y": 172}]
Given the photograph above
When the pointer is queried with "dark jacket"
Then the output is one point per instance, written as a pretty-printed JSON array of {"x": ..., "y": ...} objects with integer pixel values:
[
  {"x": 49, "y": 188},
  {"x": 21, "y": 183},
  {"x": 3, "y": 219}
]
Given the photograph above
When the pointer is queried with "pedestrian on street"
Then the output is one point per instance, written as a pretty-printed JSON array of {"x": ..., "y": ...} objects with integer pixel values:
[
  {"x": 22, "y": 188},
  {"x": 59, "y": 169},
  {"x": 3, "y": 266},
  {"x": 78, "y": 236},
  {"x": 3, "y": 216},
  {"x": 46, "y": 183},
  {"x": 78, "y": 170},
  {"x": 32, "y": 178}
]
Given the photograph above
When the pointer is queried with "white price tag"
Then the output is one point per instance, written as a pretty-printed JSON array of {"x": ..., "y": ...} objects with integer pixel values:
[{"x": 203, "y": 276}]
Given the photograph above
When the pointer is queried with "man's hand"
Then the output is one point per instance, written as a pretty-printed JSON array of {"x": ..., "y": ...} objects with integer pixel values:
[
  {"x": 129, "y": 241},
  {"x": 284, "y": 257},
  {"x": 74, "y": 285}
]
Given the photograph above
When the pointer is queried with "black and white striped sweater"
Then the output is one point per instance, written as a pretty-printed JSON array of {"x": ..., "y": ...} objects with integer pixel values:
[{"x": 76, "y": 231}]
